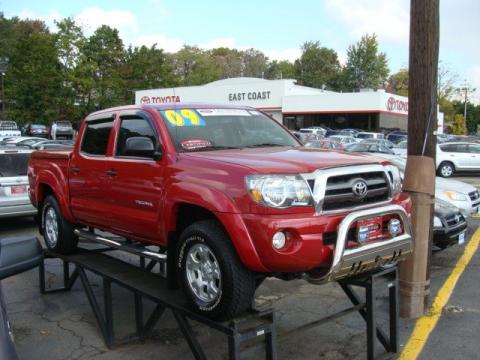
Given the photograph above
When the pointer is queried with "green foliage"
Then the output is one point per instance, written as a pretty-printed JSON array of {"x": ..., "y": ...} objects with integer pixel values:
[
  {"x": 280, "y": 70},
  {"x": 458, "y": 125},
  {"x": 33, "y": 80},
  {"x": 366, "y": 67},
  {"x": 318, "y": 66},
  {"x": 398, "y": 82}
]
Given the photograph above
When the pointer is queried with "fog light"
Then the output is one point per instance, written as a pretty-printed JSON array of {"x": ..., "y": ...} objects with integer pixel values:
[
  {"x": 278, "y": 240},
  {"x": 362, "y": 233},
  {"x": 394, "y": 227}
]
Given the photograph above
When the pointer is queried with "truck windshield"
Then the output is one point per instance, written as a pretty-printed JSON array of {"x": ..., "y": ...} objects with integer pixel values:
[{"x": 217, "y": 129}]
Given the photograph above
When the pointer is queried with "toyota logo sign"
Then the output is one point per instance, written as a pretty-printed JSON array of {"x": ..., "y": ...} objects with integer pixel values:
[{"x": 359, "y": 188}]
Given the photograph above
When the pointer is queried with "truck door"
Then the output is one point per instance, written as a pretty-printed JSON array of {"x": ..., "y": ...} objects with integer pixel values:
[
  {"x": 88, "y": 174},
  {"x": 136, "y": 182}
]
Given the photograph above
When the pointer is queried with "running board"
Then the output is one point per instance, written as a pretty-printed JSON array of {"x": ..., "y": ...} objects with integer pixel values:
[{"x": 137, "y": 250}]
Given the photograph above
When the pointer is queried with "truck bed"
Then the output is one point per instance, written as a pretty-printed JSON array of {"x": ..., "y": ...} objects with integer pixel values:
[{"x": 52, "y": 154}]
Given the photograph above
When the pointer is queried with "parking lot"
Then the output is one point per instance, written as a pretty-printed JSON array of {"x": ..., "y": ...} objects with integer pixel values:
[{"x": 62, "y": 325}]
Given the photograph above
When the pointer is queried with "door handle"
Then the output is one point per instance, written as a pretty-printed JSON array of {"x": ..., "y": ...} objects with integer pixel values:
[
  {"x": 111, "y": 173},
  {"x": 75, "y": 170}
]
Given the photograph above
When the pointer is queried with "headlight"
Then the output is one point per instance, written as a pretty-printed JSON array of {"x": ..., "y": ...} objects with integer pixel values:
[
  {"x": 395, "y": 178},
  {"x": 454, "y": 195},
  {"x": 279, "y": 191},
  {"x": 437, "y": 222}
]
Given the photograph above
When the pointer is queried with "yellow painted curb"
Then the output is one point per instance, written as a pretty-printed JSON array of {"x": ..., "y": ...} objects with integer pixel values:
[{"x": 427, "y": 323}]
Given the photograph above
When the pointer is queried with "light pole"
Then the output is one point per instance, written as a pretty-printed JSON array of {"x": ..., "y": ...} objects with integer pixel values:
[{"x": 3, "y": 69}]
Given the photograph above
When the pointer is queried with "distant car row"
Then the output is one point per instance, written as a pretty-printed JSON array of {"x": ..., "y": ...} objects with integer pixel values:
[
  {"x": 34, "y": 143},
  {"x": 59, "y": 129}
]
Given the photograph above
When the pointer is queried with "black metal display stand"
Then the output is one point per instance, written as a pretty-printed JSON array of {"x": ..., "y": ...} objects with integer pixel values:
[
  {"x": 146, "y": 285},
  {"x": 367, "y": 309}
]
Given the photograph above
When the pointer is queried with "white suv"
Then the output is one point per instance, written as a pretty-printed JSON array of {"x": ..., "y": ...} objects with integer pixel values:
[
  {"x": 14, "y": 199},
  {"x": 457, "y": 156}
]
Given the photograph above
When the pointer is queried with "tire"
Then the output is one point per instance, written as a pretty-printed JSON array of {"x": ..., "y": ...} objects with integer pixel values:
[
  {"x": 446, "y": 169},
  {"x": 57, "y": 232},
  {"x": 205, "y": 252}
]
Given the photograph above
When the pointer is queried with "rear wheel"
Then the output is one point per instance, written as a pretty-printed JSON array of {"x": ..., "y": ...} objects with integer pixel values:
[
  {"x": 210, "y": 272},
  {"x": 446, "y": 169},
  {"x": 57, "y": 232}
]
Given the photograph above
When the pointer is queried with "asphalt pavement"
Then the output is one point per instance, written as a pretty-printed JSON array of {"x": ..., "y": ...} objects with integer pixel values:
[{"x": 62, "y": 325}]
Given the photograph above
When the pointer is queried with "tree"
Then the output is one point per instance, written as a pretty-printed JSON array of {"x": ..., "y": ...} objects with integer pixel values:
[
  {"x": 318, "y": 66},
  {"x": 229, "y": 62},
  {"x": 254, "y": 63},
  {"x": 459, "y": 125},
  {"x": 100, "y": 69},
  {"x": 446, "y": 81},
  {"x": 398, "y": 82},
  {"x": 280, "y": 70},
  {"x": 69, "y": 42},
  {"x": 366, "y": 67},
  {"x": 146, "y": 68},
  {"x": 194, "y": 66},
  {"x": 33, "y": 81}
]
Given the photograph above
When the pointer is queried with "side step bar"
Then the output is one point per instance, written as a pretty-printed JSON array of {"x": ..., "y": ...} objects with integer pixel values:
[{"x": 137, "y": 250}]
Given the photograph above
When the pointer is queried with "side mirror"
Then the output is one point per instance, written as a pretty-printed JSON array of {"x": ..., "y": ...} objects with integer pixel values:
[
  {"x": 19, "y": 254},
  {"x": 141, "y": 146}
]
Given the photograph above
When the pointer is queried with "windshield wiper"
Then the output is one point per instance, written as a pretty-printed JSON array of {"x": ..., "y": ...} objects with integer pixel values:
[{"x": 264, "y": 145}]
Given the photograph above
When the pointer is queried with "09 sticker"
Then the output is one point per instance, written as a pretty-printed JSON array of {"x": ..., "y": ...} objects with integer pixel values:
[{"x": 183, "y": 117}]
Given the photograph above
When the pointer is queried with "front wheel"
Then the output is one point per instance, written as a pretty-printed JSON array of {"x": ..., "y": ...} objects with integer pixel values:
[
  {"x": 57, "y": 232},
  {"x": 216, "y": 283},
  {"x": 446, "y": 169}
]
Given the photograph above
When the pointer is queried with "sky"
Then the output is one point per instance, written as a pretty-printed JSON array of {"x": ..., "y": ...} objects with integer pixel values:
[{"x": 278, "y": 28}]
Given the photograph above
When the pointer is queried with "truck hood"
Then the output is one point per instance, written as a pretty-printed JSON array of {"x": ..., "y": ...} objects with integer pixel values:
[{"x": 286, "y": 159}]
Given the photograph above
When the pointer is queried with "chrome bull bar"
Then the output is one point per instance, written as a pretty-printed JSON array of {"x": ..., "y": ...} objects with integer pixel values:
[{"x": 349, "y": 262}]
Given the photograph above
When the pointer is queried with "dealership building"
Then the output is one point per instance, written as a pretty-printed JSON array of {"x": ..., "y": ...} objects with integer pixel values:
[{"x": 293, "y": 105}]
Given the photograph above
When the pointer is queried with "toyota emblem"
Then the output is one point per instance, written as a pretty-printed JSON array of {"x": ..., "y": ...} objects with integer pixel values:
[{"x": 359, "y": 188}]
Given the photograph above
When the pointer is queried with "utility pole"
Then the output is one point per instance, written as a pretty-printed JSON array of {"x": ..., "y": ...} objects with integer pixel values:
[
  {"x": 466, "y": 89},
  {"x": 420, "y": 171}
]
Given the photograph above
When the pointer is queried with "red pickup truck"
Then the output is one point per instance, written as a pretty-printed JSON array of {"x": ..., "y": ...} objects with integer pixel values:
[{"x": 230, "y": 195}]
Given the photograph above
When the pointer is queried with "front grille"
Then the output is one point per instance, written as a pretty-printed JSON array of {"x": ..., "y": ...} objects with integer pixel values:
[
  {"x": 454, "y": 220},
  {"x": 339, "y": 190},
  {"x": 475, "y": 197}
]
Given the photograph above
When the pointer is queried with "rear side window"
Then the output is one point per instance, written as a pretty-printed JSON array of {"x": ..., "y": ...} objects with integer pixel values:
[
  {"x": 14, "y": 164},
  {"x": 134, "y": 127},
  {"x": 95, "y": 139}
]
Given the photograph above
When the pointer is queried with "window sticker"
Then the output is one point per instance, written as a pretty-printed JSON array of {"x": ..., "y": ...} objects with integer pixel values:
[
  {"x": 183, "y": 117},
  {"x": 223, "y": 112},
  {"x": 195, "y": 144}
]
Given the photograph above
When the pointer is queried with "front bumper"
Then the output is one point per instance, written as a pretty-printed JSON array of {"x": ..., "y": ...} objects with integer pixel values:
[
  {"x": 349, "y": 262},
  {"x": 446, "y": 236}
]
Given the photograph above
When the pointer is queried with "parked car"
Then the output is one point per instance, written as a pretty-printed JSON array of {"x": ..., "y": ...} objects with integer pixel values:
[
  {"x": 449, "y": 225},
  {"x": 37, "y": 130},
  {"x": 369, "y": 148},
  {"x": 313, "y": 131},
  {"x": 53, "y": 144},
  {"x": 401, "y": 148},
  {"x": 228, "y": 193},
  {"x": 382, "y": 142},
  {"x": 397, "y": 136},
  {"x": 322, "y": 144},
  {"x": 342, "y": 140},
  {"x": 370, "y": 135},
  {"x": 457, "y": 156},
  {"x": 457, "y": 193},
  {"x": 62, "y": 129},
  {"x": 14, "y": 200},
  {"x": 8, "y": 129},
  {"x": 20, "y": 140},
  {"x": 17, "y": 255}
]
